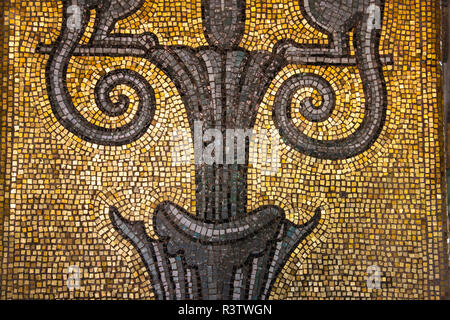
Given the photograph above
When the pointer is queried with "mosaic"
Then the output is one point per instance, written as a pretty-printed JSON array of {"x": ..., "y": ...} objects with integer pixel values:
[{"x": 222, "y": 150}]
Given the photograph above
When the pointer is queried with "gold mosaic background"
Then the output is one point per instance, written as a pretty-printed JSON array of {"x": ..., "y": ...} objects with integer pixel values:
[{"x": 384, "y": 207}]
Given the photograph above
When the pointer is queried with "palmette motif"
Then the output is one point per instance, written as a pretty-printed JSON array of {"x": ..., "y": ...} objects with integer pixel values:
[{"x": 224, "y": 252}]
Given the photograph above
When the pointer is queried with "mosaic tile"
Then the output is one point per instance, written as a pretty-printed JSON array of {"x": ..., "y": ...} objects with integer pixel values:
[{"x": 222, "y": 150}]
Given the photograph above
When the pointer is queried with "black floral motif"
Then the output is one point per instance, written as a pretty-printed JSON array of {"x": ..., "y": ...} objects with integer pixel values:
[{"x": 224, "y": 252}]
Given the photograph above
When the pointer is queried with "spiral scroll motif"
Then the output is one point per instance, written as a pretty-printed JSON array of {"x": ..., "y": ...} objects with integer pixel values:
[
  {"x": 226, "y": 251},
  {"x": 145, "y": 93},
  {"x": 68, "y": 115},
  {"x": 308, "y": 109},
  {"x": 368, "y": 59}
]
